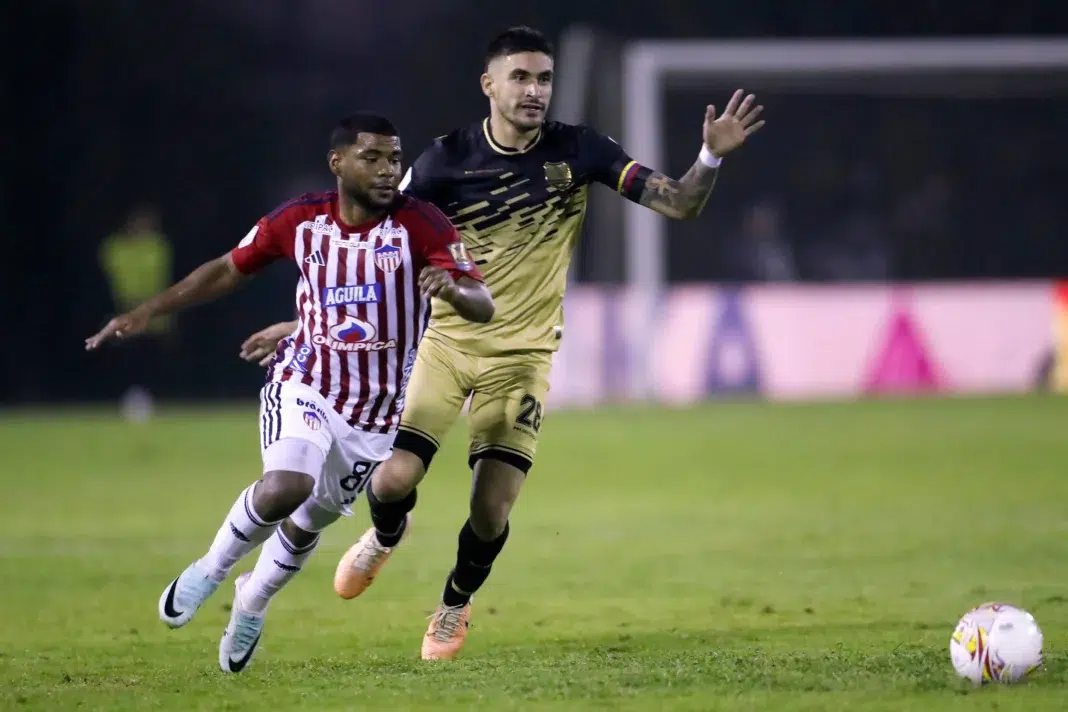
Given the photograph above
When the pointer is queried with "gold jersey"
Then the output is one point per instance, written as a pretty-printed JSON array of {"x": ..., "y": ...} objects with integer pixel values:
[{"x": 520, "y": 214}]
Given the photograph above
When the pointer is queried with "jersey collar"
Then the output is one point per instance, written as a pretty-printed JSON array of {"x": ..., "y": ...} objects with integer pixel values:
[
  {"x": 505, "y": 149},
  {"x": 366, "y": 226}
]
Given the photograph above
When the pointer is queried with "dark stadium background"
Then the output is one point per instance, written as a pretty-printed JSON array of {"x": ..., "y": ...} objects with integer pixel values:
[{"x": 216, "y": 111}]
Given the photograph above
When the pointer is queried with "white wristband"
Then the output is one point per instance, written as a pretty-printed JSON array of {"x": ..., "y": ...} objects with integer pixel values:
[{"x": 708, "y": 158}]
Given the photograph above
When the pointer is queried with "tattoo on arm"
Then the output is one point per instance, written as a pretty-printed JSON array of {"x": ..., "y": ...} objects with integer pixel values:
[{"x": 682, "y": 198}]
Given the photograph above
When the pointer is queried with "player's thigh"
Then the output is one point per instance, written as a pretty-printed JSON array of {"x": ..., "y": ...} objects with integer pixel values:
[
  {"x": 439, "y": 384},
  {"x": 295, "y": 433},
  {"x": 508, "y": 407},
  {"x": 352, "y": 460}
]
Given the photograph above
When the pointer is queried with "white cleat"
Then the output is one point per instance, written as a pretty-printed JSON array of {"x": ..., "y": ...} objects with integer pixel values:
[
  {"x": 242, "y": 633},
  {"x": 184, "y": 596}
]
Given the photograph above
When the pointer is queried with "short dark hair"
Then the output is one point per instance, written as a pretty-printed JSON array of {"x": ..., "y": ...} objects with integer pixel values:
[
  {"x": 349, "y": 128},
  {"x": 518, "y": 39}
]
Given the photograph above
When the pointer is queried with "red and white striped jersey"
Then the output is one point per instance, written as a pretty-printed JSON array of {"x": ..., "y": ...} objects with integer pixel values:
[{"x": 358, "y": 301}]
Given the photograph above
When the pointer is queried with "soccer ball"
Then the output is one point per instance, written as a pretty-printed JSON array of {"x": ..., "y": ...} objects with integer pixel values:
[{"x": 996, "y": 642}]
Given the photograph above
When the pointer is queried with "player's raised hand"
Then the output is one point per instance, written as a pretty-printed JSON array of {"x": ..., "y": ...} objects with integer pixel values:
[
  {"x": 261, "y": 346},
  {"x": 121, "y": 327},
  {"x": 737, "y": 122},
  {"x": 437, "y": 282}
]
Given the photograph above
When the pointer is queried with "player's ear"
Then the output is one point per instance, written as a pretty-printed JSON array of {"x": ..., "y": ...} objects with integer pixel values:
[
  {"x": 487, "y": 84},
  {"x": 333, "y": 159}
]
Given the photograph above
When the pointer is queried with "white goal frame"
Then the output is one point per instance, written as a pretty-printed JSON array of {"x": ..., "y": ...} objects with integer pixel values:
[{"x": 647, "y": 67}]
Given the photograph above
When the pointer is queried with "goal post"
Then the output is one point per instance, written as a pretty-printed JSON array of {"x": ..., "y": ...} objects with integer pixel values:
[{"x": 649, "y": 67}]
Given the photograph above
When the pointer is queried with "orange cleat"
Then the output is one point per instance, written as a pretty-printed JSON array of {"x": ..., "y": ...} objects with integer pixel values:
[
  {"x": 361, "y": 563},
  {"x": 447, "y": 632}
]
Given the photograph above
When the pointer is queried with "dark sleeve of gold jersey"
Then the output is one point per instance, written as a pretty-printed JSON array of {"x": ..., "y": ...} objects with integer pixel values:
[
  {"x": 610, "y": 165},
  {"x": 423, "y": 179}
]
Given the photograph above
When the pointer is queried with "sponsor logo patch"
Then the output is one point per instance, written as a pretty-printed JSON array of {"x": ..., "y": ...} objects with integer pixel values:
[
  {"x": 353, "y": 334},
  {"x": 461, "y": 256},
  {"x": 354, "y": 294},
  {"x": 299, "y": 362}
]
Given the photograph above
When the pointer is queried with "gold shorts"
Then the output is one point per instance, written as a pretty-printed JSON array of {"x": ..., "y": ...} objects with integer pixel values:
[{"x": 507, "y": 402}]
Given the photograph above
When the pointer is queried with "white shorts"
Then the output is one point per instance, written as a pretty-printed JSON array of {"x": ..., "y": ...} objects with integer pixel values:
[{"x": 299, "y": 433}]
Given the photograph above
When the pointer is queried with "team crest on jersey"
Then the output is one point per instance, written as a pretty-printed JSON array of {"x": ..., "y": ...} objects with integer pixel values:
[
  {"x": 558, "y": 175},
  {"x": 461, "y": 256},
  {"x": 388, "y": 257},
  {"x": 312, "y": 420}
]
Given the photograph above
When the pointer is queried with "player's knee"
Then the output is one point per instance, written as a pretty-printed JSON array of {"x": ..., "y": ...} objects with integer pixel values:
[
  {"x": 490, "y": 510},
  {"x": 279, "y": 493},
  {"x": 489, "y": 518},
  {"x": 311, "y": 517},
  {"x": 496, "y": 489},
  {"x": 297, "y": 535},
  {"x": 398, "y": 476}
]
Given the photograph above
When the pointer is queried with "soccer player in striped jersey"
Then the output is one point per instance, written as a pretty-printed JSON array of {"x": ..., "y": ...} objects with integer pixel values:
[
  {"x": 515, "y": 185},
  {"x": 370, "y": 260}
]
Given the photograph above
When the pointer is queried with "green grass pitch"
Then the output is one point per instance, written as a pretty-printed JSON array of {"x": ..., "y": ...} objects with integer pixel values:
[{"x": 729, "y": 557}]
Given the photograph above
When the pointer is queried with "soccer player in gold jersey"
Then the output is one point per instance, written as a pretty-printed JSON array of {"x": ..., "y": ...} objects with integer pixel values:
[{"x": 515, "y": 186}]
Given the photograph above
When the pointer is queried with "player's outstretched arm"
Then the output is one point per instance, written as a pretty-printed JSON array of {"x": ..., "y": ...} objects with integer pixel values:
[
  {"x": 207, "y": 282},
  {"x": 469, "y": 297},
  {"x": 686, "y": 197},
  {"x": 680, "y": 199},
  {"x": 261, "y": 346}
]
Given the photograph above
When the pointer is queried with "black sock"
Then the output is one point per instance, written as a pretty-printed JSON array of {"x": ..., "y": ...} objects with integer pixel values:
[
  {"x": 474, "y": 559},
  {"x": 389, "y": 517}
]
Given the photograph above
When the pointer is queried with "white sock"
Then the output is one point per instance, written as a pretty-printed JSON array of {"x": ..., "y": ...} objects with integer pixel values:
[
  {"x": 242, "y": 532},
  {"x": 279, "y": 561}
]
